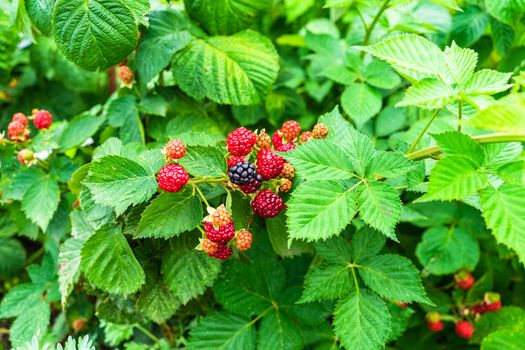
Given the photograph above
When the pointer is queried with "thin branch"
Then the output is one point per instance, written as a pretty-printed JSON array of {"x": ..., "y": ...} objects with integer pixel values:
[{"x": 420, "y": 136}]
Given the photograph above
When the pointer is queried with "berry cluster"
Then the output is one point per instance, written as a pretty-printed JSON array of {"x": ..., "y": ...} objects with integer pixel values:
[
  {"x": 464, "y": 328},
  {"x": 18, "y": 131},
  {"x": 219, "y": 230},
  {"x": 172, "y": 177}
]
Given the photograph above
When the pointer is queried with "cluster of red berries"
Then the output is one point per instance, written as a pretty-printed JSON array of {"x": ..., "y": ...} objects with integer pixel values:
[
  {"x": 269, "y": 166},
  {"x": 172, "y": 176},
  {"x": 220, "y": 232},
  {"x": 18, "y": 131},
  {"x": 464, "y": 329}
]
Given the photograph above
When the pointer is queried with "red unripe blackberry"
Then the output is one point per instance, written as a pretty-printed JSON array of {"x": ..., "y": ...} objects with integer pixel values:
[
  {"x": 243, "y": 240},
  {"x": 240, "y": 141},
  {"x": 125, "y": 74},
  {"x": 291, "y": 130},
  {"x": 220, "y": 234},
  {"x": 280, "y": 145},
  {"x": 209, "y": 247},
  {"x": 25, "y": 156},
  {"x": 242, "y": 173},
  {"x": 320, "y": 131},
  {"x": 269, "y": 164},
  {"x": 223, "y": 252},
  {"x": 464, "y": 329},
  {"x": 17, "y": 131},
  {"x": 305, "y": 136},
  {"x": 464, "y": 280},
  {"x": 175, "y": 149},
  {"x": 231, "y": 161},
  {"x": 479, "y": 308},
  {"x": 20, "y": 117},
  {"x": 42, "y": 119},
  {"x": 172, "y": 177},
  {"x": 267, "y": 204}
]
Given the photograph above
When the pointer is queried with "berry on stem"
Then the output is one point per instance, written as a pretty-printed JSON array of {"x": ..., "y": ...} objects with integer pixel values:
[
  {"x": 220, "y": 234},
  {"x": 464, "y": 279},
  {"x": 209, "y": 247},
  {"x": 267, "y": 204},
  {"x": 223, "y": 252},
  {"x": 434, "y": 323},
  {"x": 17, "y": 131},
  {"x": 269, "y": 164},
  {"x": 242, "y": 173},
  {"x": 320, "y": 131},
  {"x": 464, "y": 329},
  {"x": 25, "y": 156},
  {"x": 288, "y": 171},
  {"x": 492, "y": 301},
  {"x": 243, "y": 240},
  {"x": 125, "y": 74},
  {"x": 218, "y": 216},
  {"x": 20, "y": 117},
  {"x": 240, "y": 141},
  {"x": 305, "y": 136},
  {"x": 264, "y": 141},
  {"x": 175, "y": 149},
  {"x": 291, "y": 130},
  {"x": 286, "y": 185},
  {"x": 42, "y": 119},
  {"x": 279, "y": 143},
  {"x": 172, "y": 177}
]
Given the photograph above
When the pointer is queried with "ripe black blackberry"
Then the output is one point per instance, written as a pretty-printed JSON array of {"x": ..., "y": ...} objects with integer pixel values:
[{"x": 242, "y": 173}]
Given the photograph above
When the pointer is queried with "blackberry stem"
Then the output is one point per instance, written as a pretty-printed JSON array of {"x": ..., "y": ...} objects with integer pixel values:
[{"x": 201, "y": 195}]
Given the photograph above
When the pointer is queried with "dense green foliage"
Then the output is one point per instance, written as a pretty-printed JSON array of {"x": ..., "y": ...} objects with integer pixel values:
[{"x": 419, "y": 181}]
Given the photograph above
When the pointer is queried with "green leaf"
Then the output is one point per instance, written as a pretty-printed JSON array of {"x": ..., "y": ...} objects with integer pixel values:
[
  {"x": 154, "y": 105},
  {"x": 79, "y": 129},
  {"x": 361, "y": 102},
  {"x": 443, "y": 251},
  {"x": 460, "y": 63},
  {"x": 507, "y": 340},
  {"x": 506, "y": 115},
  {"x": 278, "y": 332},
  {"x": 95, "y": 34},
  {"x": 139, "y": 9},
  {"x": 380, "y": 207},
  {"x": 504, "y": 212},
  {"x": 20, "y": 299},
  {"x": 69, "y": 265},
  {"x": 204, "y": 161},
  {"x": 118, "y": 182},
  {"x": 468, "y": 26},
  {"x": 21, "y": 182},
  {"x": 167, "y": 34},
  {"x": 335, "y": 250},
  {"x": 121, "y": 110},
  {"x": 278, "y": 235},
  {"x": 157, "y": 303},
  {"x": 362, "y": 321},
  {"x": 393, "y": 277},
  {"x": 454, "y": 178},
  {"x": 359, "y": 149},
  {"x": 411, "y": 55},
  {"x": 12, "y": 257},
  {"x": 40, "y": 12},
  {"x": 108, "y": 262},
  {"x": 513, "y": 172},
  {"x": 247, "y": 58},
  {"x": 487, "y": 82},
  {"x": 186, "y": 271},
  {"x": 226, "y": 16},
  {"x": 503, "y": 36},
  {"x": 507, "y": 11},
  {"x": 319, "y": 210},
  {"x": 453, "y": 143},
  {"x": 114, "y": 334},
  {"x": 170, "y": 214},
  {"x": 389, "y": 164},
  {"x": 223, "y": 331},
  {"x": 319, "y": 160},
  {"x": 34, "y": 321},
  {"x": 379, "y": 74},
  {"x": 41, "y": 201},
  {"x": 428, "y": 93},
  {"x": 366, "y": 243},
  {"x": 400, "y": 320},
  {"x": 326, "y": 282}
]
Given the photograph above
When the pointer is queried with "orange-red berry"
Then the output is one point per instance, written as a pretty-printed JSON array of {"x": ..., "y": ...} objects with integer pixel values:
[
  {"x": 243, "y": 239},
  {"x": 175, "y": 149},
  {"x": 320, "y": 131}
]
